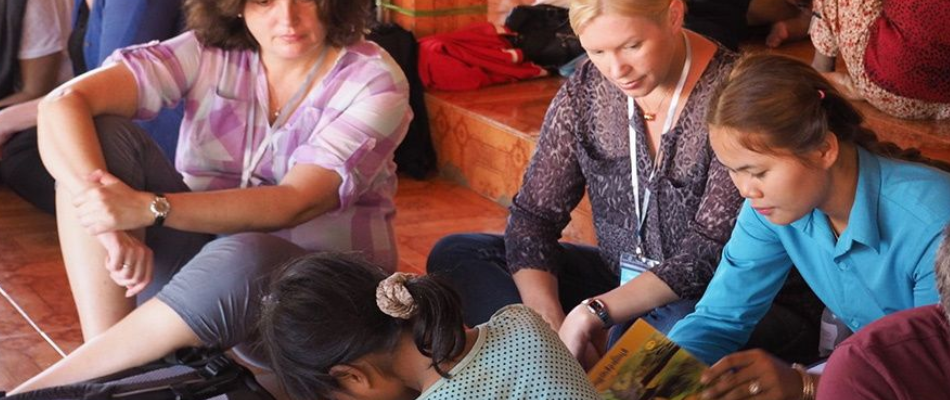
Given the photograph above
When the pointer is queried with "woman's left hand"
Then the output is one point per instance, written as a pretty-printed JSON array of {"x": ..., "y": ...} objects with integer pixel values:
[
  {"x": 584, "y": 336},
  {"x": 112, "y": 205},
  {"x": 752, "y": 374}
]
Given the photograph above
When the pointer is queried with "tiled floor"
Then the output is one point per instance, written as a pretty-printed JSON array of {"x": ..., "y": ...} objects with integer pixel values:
[{"x": 35, "y": 290}]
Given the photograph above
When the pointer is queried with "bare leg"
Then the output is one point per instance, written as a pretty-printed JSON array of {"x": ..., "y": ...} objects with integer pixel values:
[
  {"x": 100, "y": 302},
  {"x": 792, "y": 29},
  {"x": 135, "y": 159},
  {"x": 147, "y": 334}
]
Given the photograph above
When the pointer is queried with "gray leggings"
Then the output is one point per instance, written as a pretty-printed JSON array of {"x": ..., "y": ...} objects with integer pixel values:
[{"x": 214, "y": 284}]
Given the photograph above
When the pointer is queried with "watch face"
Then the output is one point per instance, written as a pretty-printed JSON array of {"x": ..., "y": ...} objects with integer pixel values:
[{"x": 160, "y": 206}]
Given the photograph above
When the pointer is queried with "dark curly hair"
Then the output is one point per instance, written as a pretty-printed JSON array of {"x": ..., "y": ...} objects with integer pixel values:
[{"x": 217, "y": 23}]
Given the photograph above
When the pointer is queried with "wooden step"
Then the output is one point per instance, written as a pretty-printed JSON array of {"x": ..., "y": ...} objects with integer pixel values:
[{"x": 485, "y": 138}]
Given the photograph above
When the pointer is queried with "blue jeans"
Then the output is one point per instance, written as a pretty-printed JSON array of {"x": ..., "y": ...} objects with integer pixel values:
[{"x": 475, "y": 264}]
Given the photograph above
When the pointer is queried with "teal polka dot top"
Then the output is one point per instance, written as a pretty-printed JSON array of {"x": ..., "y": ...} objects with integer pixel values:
[{"x": 516, "y": 356}]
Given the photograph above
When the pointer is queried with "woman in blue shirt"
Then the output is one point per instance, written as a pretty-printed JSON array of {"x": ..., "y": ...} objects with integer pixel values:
[{"x": 861, "y": 226}]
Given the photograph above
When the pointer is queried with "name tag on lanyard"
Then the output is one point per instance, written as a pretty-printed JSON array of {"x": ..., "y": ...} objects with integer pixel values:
[{"x": 632, "y": 265}]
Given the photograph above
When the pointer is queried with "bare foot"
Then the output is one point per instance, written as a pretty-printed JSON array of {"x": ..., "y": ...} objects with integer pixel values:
[
  {"x": 842, "y": 81},
  {"x": 788, "y": 30},
  {"x": 777, "y": 34}
]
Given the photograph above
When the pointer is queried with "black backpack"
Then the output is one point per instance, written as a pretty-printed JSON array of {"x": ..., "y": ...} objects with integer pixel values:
[
  {"x": 415, "y": 155},
  {"x": 11, "y": 24},
  {"x": 544, "y": 34},
  {"x": 187, "y": 374}
]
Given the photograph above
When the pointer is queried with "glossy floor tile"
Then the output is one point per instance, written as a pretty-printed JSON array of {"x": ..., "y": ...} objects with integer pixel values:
[{"x": 23, "y": 352}]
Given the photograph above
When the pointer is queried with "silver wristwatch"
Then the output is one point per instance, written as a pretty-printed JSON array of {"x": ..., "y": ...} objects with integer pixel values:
[
  {"x": 599, "y": 309},
  {"x": 160, "y": 207}
]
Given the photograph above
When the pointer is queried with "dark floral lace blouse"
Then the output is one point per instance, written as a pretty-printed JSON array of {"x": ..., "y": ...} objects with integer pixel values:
[{"x": 584, "y": 143}]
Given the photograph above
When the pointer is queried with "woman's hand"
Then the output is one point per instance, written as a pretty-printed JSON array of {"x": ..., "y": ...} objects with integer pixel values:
[
  {"x": 752, "y": 374},
  {"x": 112, "y": 205},
  {"x": 128, "y": 260},
  {"x": 583, "y": 334}
]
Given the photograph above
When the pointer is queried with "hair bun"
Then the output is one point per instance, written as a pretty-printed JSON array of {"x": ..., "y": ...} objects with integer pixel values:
[{"x": 392, "y": 297}]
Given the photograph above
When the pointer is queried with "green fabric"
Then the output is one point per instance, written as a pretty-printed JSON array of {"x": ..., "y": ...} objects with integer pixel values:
[{"x": 441, "y": 12}]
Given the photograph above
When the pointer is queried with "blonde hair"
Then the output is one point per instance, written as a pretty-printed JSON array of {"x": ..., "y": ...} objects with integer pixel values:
[{"x": 582, "y": 12}]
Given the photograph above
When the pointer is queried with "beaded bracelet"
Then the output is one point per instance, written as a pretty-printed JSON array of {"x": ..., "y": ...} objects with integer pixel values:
[{"x": 808, "y": 382}]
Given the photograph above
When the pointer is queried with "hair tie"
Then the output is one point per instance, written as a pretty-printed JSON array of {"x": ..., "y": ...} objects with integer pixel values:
[
  {"x": 392, "y": 297},
  {"x": 821, "y": 94},
  {"x": 269, "y": 299}
]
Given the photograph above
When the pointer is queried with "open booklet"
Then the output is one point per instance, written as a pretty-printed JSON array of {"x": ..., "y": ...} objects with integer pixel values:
[{"x": 645, "y": 364}]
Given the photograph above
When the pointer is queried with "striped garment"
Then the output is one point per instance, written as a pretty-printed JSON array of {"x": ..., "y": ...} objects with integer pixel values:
[{"x": 351, "y": 122}]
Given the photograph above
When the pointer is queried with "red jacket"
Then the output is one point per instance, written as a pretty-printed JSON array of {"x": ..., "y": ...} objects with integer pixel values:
[{"x": 470, "y": 58}]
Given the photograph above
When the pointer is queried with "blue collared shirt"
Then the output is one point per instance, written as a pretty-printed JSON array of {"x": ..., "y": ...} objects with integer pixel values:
[
  {"x": 114, "y": 24},
  {"x": 882, "y": 263}
]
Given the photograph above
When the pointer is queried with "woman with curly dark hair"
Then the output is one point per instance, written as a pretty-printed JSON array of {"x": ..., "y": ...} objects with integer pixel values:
[{"x": 291, "y": 121}]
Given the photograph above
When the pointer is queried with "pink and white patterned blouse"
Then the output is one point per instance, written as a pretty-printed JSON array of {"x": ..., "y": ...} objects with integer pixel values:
[{"x": 351, "y": 122}]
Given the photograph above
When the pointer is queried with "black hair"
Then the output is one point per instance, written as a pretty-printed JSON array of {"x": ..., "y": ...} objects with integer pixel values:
[{"x": 321, "y": 311}]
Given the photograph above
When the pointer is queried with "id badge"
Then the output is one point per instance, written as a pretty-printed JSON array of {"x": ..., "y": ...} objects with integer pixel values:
[{"x": 632, "y": 266}]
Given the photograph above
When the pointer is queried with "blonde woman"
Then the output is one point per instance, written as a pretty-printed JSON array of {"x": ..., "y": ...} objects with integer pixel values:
[{"x": 665, "y": 215}]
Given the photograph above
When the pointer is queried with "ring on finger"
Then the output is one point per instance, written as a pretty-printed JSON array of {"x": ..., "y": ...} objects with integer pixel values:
[
  {"x": 126, "y": 266},
  {"x": 755, "y": 387}
]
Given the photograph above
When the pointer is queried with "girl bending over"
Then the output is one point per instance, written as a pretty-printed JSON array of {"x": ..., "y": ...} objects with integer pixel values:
[{"x": 336, "y": 327}]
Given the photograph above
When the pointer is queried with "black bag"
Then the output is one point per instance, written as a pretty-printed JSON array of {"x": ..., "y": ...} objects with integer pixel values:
[
  {"x": 415, "y": 155},
  {"x": 187, "y": 374},
  {"x": 11, "y": 24},
  {"x": 544, "y": 34}
]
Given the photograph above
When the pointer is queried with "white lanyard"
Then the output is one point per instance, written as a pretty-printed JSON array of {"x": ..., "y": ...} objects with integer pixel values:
[
  {"x": 667, "y": 125},
  {"x": 251, "y": 162}
]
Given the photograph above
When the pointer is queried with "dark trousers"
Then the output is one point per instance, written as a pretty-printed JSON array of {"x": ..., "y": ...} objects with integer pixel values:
[
  {"x": 24, "y": 173},
  {"x": 475, "y": 264}
]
